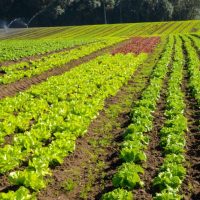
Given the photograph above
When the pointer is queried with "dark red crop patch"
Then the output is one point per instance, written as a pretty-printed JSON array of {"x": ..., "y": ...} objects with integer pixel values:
[{"x": 138, "y": 45}]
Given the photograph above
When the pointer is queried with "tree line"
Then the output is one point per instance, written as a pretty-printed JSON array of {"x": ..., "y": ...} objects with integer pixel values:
[{"x": 79, "y": 12}]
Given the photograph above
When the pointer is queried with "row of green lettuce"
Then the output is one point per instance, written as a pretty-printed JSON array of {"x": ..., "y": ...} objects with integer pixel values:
[
  {"x": 193, "y": 64},
  {"x": 68, "y": 105},
  {"x": 172, "y": 135},
  {"x": 28, "y": 69},
  {"x": 195, "y": 38},
  {"x": 135, "y": 140},
  {"x": 16, "y": 49}
]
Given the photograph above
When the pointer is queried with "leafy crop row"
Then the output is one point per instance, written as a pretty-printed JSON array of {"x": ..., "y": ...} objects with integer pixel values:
[
  {"x": 16, "y": 49},
  {"x": 193, "y": 68},
  {"x": 21, "y": 194},
  {"x": 135, "y": 140},
  {"x": 172, "y": 135},
  {"x": 68, "y": 104},
  {"x": 195, "y": 42},
  {"x": 28, "y": 69}
]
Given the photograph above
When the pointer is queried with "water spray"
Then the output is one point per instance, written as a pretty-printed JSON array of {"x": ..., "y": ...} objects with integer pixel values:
[
  {"x": 34, "y": 16},
  {"x": 7, "y": 26},
  {"x": 41, "y": 11},
  {"x": 19, "y": 20}
]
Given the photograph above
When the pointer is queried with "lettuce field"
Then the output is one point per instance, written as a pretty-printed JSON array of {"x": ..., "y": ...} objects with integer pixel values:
[{"x": 108, "y": 112}]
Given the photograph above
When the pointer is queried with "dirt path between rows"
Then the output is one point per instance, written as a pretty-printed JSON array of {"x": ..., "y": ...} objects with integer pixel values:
[{"x": 191, "y": 184}]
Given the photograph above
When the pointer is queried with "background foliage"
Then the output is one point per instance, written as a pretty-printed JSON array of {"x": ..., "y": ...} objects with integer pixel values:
[{"x": 77, "y": 12}]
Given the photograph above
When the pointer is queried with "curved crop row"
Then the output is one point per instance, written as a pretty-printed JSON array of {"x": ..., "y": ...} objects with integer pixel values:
[
  {"x": 16, "y": 49},
  {"x": 172, "y": 135},
  {"x": 135, "y": 140},
  {"x": 74, "y": 99},
  {"x": 193, "y": 68},
  {"x": 196, "y": 42},
  {"x": 20, "y": 70}
]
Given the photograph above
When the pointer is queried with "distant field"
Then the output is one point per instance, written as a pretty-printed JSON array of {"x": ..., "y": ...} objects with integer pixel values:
[
  {"x": 111, "y": 30},
  {"x": 108, "y": 112}
]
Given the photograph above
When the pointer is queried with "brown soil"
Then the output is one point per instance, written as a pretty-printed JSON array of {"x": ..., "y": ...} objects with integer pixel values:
[
  {"x": 92, "y": 166},
  {"x": 24, "y": 84},
  {"x": 191, "y": 184},
  {"x": 194, "y": 30},
  {"x": 4, "y": 183},
  {"x": 2, "y": 72}
]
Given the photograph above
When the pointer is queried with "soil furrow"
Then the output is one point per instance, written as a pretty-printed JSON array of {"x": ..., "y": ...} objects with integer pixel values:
[{"x": 191, "y": 184}]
